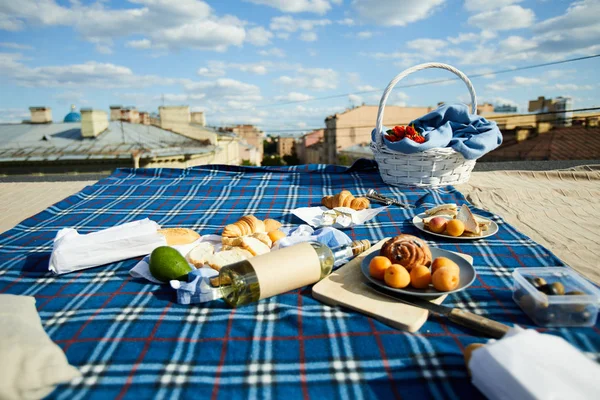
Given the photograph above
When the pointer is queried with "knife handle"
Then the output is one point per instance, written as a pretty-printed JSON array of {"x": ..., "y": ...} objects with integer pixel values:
[{"x": 478, "y": 323}]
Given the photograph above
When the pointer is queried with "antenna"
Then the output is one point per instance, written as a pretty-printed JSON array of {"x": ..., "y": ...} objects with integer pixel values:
[{"x": 163, "y": 99}]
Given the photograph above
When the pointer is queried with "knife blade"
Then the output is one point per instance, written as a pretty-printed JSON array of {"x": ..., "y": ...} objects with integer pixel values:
[{"x": 461, "y": 317}]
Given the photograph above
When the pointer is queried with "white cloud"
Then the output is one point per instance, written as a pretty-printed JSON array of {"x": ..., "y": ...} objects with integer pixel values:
[
  {"x": 506, "y": 18},
  {"x": 366, "y": 88},
  {"x": 274, "y": 52},
  {"x": 104, "y": 49},
  {"x": 427, "y": 47},
  {"x": 516, "y": 44},
  {"x": 308, "y": 36},
  {"x": 15, "y": 46},
  {"x": 139, "y": 44},
  {"x": 311, "y": 78},
  {"x": 394, "y": 12},
  {"x": 570, "y": 86},
  {"x": 13, "y": 115},
  {"x": 69, "y": 97},
  {"x": 463, "y": 37},
  {"x": 312, "y": 53},
  {"x": 294, "y": 96},
  {"x": 346, "y": 21},
  {"x": 287, "y": 23},
  {"x": 259, "y": 36},
  {"x": 179, "y": 98},
  {"x": 355, "y": 99},
  {"x": 169, "y": 25},
  {"x": 296, "y": 6},
  {"x": 89, "y": 74},
  {"x": 218, "y": 68},
  {"x": 486, "y": 5},
  {"x": 225, "y": 88},
  {"x": 210, "y": 72},
  {"x": 10, "y": 24},
  {"x": 578, "y": 29},
  {"x": 365, "y": 34},
  {"x": 524, "y": 81}
]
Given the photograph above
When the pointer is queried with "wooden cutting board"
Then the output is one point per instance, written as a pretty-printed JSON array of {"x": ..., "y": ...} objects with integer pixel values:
[{"x": 345, "y": 287}]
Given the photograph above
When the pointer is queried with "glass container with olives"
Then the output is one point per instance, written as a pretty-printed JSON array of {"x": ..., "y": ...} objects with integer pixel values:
[{"x": 556, "y": 296}]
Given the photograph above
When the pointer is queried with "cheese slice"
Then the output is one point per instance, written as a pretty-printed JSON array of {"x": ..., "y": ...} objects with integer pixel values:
[
  {"x": 442, "y": 209},
  {"x": 468, "y": 219}
]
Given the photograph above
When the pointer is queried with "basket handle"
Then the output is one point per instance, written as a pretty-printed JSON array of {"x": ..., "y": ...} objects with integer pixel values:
[{"x": 406, "y": 72}]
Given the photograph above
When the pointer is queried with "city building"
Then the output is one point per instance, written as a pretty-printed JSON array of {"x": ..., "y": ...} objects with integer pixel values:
[
  {"x": 354, "y": 126},
  {"x": 505, "y": 108},
  {"x": 285, "y": 145},
  {"x": 558, "y": 110},
  {"x": 97, "y": 145},
  {"x": 251, "y": 135},
  {"x": 178, "y": 119},
  {"x": 308, "y": 140}
]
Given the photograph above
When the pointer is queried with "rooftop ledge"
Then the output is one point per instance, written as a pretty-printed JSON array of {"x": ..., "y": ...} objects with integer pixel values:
[{"x": 542, "y": 199}]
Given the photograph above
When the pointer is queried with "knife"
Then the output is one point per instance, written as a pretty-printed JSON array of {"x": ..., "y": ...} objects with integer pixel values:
[
  {"x": 373, "y": 195},
  {"x": 461, "y": 317}
]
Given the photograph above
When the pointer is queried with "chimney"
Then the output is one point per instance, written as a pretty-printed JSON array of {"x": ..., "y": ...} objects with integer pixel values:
[
  {"x": 115, "y": 113},
  {"x": 174, "y": 117},
  {"x": 93, "y": 122},
  {"x": 199, "y": 118},
  {"x": 144, "y": 118},
  {"x": 41, "y": 115}
]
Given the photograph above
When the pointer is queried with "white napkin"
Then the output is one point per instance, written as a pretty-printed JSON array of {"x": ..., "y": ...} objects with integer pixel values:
[
  {"x": 142, "y": 269},
  {"x": 525, "y": 364},
  {"x": 73, "y": 252},
  {"x": 344, "y": 217}
]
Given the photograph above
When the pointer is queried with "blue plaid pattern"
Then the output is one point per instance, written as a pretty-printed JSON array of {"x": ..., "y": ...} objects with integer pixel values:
[{"x": 132, "y": 340}]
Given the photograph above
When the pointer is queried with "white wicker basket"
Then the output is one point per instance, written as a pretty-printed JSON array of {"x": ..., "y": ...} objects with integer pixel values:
[{"x": 430, "y": 168}]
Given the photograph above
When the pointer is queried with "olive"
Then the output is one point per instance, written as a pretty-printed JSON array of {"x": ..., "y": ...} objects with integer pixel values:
[
  {"x": 536, "y": 282},
  {"x": 576, "y": 307},
  {"x": 555, "y": 288}
]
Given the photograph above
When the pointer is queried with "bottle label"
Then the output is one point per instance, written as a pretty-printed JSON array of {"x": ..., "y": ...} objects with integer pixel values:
[{"x": 286, "y": 269}]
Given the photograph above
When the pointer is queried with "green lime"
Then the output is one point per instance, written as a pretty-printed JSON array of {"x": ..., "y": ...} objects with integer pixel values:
[{"x": 167, "y": 264}]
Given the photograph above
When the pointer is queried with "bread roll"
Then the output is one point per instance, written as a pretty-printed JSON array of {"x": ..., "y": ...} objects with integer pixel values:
[
  {"x": 407, "y": 250},
  {"x": 223, "y": 258},
  {"x": 200, "y": 254},
  {"x": 263, "y": 237},
  {"x": 276, "y": 235},
  {"x": 179, "y": 236},
  {"x": 254, "y": 246},
  {"x": 271, "y": 225}
]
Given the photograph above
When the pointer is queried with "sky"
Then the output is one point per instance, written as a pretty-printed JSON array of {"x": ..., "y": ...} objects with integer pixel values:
[{"x": 285, "y": 65}]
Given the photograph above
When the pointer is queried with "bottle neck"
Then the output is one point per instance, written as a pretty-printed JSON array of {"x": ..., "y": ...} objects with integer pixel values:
[{"x": 350, "y": 250}]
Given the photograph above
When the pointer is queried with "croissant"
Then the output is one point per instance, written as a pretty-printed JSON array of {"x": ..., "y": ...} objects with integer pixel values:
[
  {"x": 345, "y": 199},
  {"x": 246, "y": 225},
  {"x": 407, "y": 250}
]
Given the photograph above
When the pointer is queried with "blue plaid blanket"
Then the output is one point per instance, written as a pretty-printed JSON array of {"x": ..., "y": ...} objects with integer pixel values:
[{"x": 130, "y": 338}]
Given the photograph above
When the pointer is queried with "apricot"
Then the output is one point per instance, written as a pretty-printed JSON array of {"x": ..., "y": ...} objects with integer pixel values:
[
  {"x": 397, "y": 276},
  {"x": 378, "y": 265},
  {"x": 455, "y": 227},
  {"x": 445, "y": 279},
  {"x": 441, "y": 262},
  {"x": 437, "y": 224},
  {"x": 420, "y": 277}
]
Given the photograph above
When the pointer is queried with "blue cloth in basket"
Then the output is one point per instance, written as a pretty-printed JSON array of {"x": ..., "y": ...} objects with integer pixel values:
[{"x": 451, "y": 126}]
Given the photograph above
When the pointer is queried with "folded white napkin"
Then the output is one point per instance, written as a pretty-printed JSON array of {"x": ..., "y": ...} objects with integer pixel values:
[
  {"x": 339, "y": 217},
  {"x": 142, "y": 269},
  {"x": 73, "y": 252},
  {"x": 525, "y": 364}
]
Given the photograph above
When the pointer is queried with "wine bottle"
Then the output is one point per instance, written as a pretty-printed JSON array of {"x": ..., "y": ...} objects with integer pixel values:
[{"x": 282, "y": 270}]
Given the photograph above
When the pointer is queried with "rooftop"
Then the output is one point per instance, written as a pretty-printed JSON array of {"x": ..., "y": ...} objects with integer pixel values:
[{"x": 63, "y": 141}]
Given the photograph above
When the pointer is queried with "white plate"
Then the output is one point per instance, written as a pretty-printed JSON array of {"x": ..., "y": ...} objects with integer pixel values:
[
  {"x": 467, "y": 275},
  {"x": 418, "y": 222}
]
